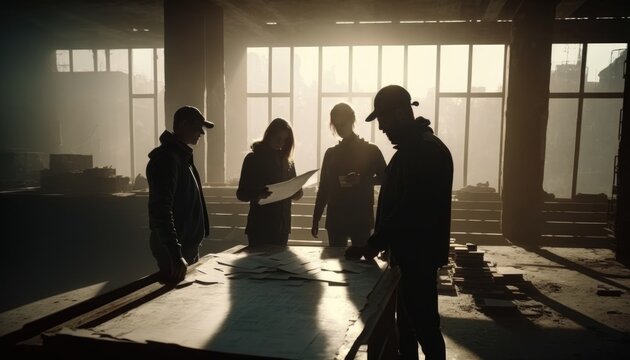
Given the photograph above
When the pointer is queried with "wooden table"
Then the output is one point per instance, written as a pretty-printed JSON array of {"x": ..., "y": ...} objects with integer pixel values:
[{"x": 289, "y": 303}]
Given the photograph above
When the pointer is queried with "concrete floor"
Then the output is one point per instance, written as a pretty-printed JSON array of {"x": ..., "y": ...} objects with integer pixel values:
[{"x": 559, "y": 316}]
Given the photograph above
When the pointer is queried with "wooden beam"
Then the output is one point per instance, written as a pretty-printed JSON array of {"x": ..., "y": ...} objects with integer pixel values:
[
  {"x": 493, "y": 9},
  {"x": 567, "y": 8}
]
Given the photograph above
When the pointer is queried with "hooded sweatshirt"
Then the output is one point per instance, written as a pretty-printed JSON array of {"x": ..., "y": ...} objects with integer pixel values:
[{"x": 178, "y": 217}]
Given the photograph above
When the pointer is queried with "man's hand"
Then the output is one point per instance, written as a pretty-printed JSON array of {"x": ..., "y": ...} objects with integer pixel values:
[
  {"x": 298, "y": 195},
  {"x": 177, "y": 271},
  {"x": 356, "y": 252},
  {"x": 369, "y": 252}
]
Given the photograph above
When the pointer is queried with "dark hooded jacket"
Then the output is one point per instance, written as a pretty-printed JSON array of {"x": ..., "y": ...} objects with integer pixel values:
[
  {"x": 178, "y": 217},
  {"x": 414, "y": 207},
  {"x": 349, "y": 207}
]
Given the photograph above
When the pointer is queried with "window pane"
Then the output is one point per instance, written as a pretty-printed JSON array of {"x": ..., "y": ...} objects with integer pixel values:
[
  {"x": 328, "y": 139},
  {"x": 257, "y": 119},
  {"x": 280, "y": 71},
  {"x": 451, "y": 131},
  {"x": 362, "y": 108},
  {"x": 566, "y": 60},
  {"x": 560, "y": 147},
  {"x": 484, "y": 141},
  {"x": 487, "y": 68},
  {"x": 364, "y": 68},
  {"x": 101, "y": 62},
  {"x": 119, "y": 60},
  {"x": 453, "y": 68},
  {"x": 422, "y": 65},
  {"x": 393, "y": 66},
  {"x": 82, "y": 60},
  {"x": 258, "y": 70},
  {"x": 280, "y": 108},
  {"x": 305, "y": 75},
  {"x": 144, "y": 133},
  {"x": 335, "y": 68},
  {"x": 142, "y": 75},
  {"x": 604, "y": 67},
  {"x": 94, "y": 119},
  {"x": 63, "y": 60},
  {"x": 598, "y": 145}
]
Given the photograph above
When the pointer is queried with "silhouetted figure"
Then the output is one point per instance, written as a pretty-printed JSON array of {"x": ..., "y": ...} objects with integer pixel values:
[
  {"x": 269, "y": 162},
  {"x": 177, "y": 210},
  {"x": 346, "y": 185},
  {"x": 413, "y": 219}
]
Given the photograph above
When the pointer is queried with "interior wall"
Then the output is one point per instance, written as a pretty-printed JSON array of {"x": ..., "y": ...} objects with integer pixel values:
[{"x": 26, "y": 64}]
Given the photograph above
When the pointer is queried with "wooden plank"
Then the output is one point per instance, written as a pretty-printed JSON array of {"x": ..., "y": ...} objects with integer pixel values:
[
  {"x": 479, "y": 238},
  {"x": 50, "y": 321},
  {"x": 488, "y": 205},
  {"x": 575, "y": 228},
  {"x": 575, "y": 206},
  {"x": 480, "y": 226},
  {"x": 580, "y": 216},
  {"x": 363, "y": 331},
  {"x": 477, "y": 214}
]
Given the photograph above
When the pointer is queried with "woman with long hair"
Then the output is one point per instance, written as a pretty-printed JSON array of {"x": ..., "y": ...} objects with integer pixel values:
[{"x": 269, "y": 162}]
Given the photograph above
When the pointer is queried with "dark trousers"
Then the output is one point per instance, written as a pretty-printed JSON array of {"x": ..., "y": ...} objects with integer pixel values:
[
  {"x": 417, "y": 316},
  {"x": 359, "y": 237}
]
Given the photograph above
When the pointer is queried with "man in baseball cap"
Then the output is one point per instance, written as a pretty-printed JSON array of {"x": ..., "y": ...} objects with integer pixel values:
[
  {"x": 389, "y": 98},
  {"x": 178, "y": 217},
  {"x": 191, "y": 113},
  {"x": 413, "y": 219}
]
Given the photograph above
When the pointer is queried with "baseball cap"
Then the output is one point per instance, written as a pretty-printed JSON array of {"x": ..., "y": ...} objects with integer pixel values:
[
  {"x": 388, "y": 98},
  {"x": 191, "y": 112}
]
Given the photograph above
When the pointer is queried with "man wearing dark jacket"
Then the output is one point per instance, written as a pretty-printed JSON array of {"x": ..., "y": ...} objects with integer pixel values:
[
  {"x": 178, "y": 217},
  {"x": 413, "y": 219}
]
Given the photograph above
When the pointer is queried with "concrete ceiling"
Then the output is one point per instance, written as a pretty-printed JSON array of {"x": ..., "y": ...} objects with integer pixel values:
[{"x": 126, "y": 20}]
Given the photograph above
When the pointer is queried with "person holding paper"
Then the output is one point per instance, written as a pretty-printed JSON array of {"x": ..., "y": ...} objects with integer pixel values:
[
  {"x": 349, "y": 172},
  {"x": 269, "y": 162}
]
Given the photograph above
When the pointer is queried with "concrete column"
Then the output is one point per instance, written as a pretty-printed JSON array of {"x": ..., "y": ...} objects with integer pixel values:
[
  {"x": 622, "y": 215},
  {"x": 215, "y": 95},
  {"x": 184, "y": 63},
  {"x": 526, "y": 121}
]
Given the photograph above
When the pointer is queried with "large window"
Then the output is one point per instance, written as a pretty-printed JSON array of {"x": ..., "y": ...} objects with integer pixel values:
[
  {"x": 586, "y": 92},
  {"x": 114, "y": 109},
  {"x": 460, "y": 89}
]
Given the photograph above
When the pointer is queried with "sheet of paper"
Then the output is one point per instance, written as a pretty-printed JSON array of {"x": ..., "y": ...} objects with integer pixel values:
[
  {"x": 211, "y": 277},
  {"x": 286, "y": 189}
]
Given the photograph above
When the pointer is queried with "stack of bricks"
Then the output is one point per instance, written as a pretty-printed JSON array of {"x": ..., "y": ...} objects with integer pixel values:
[
  {"x": 445, "y": 275},
  {"x": 471, "y": 273},
  {"x": 492, "y": 287},
  {"x": 509, "y": 283}
]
